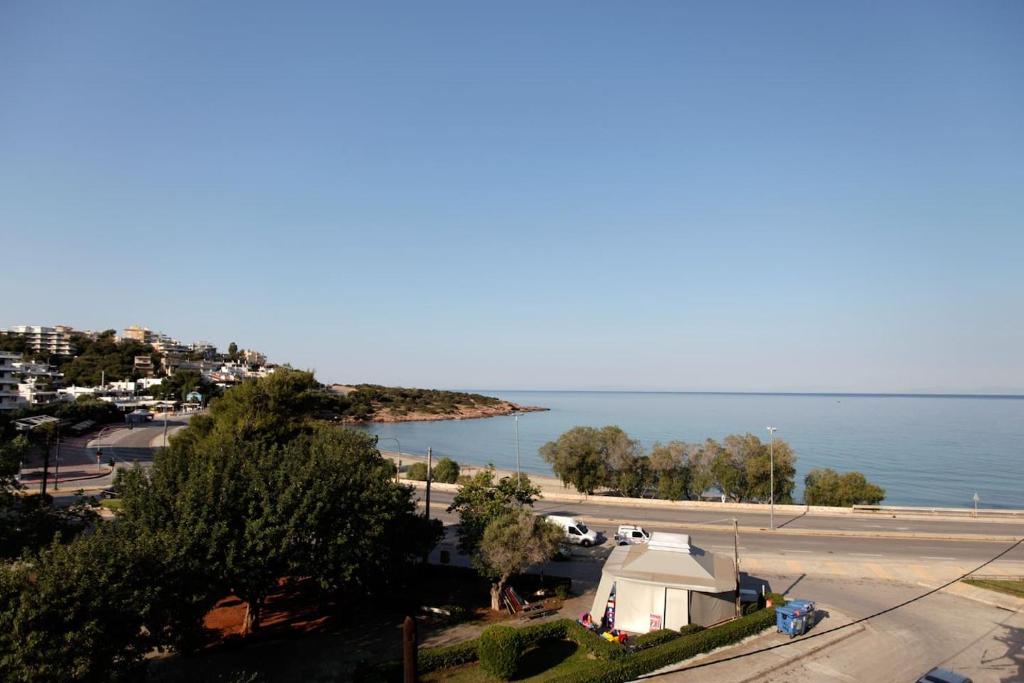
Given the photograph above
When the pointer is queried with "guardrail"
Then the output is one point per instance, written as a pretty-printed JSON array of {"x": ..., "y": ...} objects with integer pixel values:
[{"x": 957, "y": 512}]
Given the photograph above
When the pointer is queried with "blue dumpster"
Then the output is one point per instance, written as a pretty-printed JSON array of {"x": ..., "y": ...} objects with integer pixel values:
[{"x": 794, "y": 620}]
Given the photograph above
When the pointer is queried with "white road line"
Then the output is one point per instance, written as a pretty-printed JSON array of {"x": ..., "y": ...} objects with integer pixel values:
[
  {"x": 930, "y": 557},
  {"x": 866, "y": 555},
  {"x": 787, "y": 550}
]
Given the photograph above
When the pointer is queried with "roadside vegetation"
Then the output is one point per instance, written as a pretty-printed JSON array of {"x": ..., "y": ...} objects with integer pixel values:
[
  {"x": 607, "y": 459},
  {"x": 1014, "y": 587}
]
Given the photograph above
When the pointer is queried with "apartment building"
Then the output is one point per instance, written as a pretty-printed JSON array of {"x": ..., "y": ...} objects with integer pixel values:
[
  {"x": 140, "y": 334},
  {"x": 252, "y": 357},
  {"x": 9, "y": 396},
  {"x": 40, "y": 339},
  {"x": 144, "y": 365}
]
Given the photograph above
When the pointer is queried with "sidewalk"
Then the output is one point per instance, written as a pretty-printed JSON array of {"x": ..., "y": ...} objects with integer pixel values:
[{"x": 758, "y": 667}]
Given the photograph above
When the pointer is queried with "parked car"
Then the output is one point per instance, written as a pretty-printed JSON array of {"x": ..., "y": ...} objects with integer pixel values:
[
  {"x": 940, "y": 675},
  {"x": 575, "y": 531},
  {"x": 629, "y": 534}
]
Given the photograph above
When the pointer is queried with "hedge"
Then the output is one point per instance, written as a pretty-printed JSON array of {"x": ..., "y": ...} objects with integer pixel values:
[
  {"x": 646, "y": 653},
  {"x": 499, "y": 648},
  {"x": 677, "y": 650}
]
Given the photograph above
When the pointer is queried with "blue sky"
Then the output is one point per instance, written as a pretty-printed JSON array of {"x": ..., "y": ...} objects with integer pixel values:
[{"x": 724, "y": 196}]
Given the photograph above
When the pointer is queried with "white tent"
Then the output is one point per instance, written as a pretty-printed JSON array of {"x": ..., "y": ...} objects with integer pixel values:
[{"x": 666, "y": 583}]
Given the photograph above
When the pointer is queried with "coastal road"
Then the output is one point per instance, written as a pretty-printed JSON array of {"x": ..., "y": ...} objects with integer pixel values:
[
  {"x": 923, "y": 562},
  {"x": 869, "y": 523}
]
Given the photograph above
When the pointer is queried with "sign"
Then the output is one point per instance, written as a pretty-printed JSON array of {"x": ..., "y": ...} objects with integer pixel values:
[
  {"x": 194, "y": 397},
  {"x": 655, "y": 622}
]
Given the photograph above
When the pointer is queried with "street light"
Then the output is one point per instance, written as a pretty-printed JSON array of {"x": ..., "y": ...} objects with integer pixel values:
[
  {"x": 771, "y": 455},
  {"x": 395, "y": 439},
  {"x": 519, "y": 476},
  {"x": 977, "y": 499}
]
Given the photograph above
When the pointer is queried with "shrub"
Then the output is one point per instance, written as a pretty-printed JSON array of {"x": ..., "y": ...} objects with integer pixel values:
[
  {"x": 653, "y": 639},
  {"x": 446, "y": 471},
  {"x": 499, "y": 648},
  {"x": 417, "y": 471},
  {"x": 690, "y": 628},
  {"x": 561, "y": 591}
]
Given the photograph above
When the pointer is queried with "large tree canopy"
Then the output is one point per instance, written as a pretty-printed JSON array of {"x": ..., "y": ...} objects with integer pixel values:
[
  {"x": 257, "y": 491},
  {"x": 512, "y": 543},
  {"x": 828, "y": 487}
]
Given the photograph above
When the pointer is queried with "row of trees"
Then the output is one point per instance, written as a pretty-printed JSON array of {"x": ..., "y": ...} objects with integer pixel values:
[
  {"x": 590, "y": 458},
  {"x": 252, "y": 494}
]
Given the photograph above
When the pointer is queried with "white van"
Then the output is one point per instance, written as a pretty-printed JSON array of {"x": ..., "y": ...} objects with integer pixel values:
[
  {"x": 575, "y": 532},
  {"x": 629, "y": 534}
]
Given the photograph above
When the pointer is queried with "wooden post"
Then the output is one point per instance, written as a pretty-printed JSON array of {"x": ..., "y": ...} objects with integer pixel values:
[
  {"x": 736, "y": 560},
  {"x": 409, "y": 650}
]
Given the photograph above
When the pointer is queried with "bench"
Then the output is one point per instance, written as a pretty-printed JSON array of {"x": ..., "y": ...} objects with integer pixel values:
[{"x": 516, "y": 606}]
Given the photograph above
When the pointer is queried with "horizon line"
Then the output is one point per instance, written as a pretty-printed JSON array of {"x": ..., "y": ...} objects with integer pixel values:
[{"x": 852, "y": 394}]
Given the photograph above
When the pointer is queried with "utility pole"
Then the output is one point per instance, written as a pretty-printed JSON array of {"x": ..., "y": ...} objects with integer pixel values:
[
  {"x": 771, "y": 455},
  {"x": 165, "y": 425},
  {"x": 430, "y": 462},
  {"x": 736, "y": 561},
  {"x": 56, "y": 459}
]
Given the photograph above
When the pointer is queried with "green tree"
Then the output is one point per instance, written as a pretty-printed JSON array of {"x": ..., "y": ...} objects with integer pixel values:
[
  {"x": 86, "y": 611},
  {"x": 233, "y": 351},
  {"x": 670, "y": 464},
  {"x": 577, "y": 457},
  {"x": 828, "y": 487},
  {"x": 417, "y": 471},
  {"x": 258, "y": 491},
  {"x": 480, "y": 501},
  {"x": 446, "y": 471},
  {"x": 741, "y": 467},
  {"x": 183, "y": 382},
  {"x": 511, "y": 543}
]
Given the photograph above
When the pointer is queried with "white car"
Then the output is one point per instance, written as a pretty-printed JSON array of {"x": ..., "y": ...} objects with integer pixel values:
[
  {"x": 629, "y": 534},
  {"x": 575, "y": 531}
]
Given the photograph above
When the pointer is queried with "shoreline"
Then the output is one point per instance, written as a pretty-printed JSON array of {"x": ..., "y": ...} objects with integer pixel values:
[{"x": 504, "y": 410}]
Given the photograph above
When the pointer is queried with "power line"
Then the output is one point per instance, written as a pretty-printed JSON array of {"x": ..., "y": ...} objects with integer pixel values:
[{"x": 837, "y": 628}]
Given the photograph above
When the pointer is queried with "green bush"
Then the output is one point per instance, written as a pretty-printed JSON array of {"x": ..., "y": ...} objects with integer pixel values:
[
  {"x": 499, "y": 648},
  {"x": 417, "y": 471},
  {"x": 653, "y": 639},
  {"x": 561, "y": 591},
  {"x": 446, "y": 471},
  {"x": 690, "y": 628}
]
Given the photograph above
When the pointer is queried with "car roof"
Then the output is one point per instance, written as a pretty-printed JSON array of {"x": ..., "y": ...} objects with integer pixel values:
[{"x": 940, "y": 675}]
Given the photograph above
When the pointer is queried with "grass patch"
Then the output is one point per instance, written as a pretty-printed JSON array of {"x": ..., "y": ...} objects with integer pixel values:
[
  {"x": 1015, "y": 588},
  {"x": 112, "y": 504},
  {"x": 548, "y": 659}
]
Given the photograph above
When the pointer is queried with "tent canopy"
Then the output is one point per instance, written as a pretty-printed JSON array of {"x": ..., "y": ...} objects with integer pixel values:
[{"x": 668, "y": 561}]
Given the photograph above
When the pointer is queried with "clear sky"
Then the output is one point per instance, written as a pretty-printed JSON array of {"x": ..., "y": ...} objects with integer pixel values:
[{"x": 657, "y": 195}]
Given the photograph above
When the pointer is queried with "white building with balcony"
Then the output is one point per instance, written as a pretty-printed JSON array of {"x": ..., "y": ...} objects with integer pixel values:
[
  {"x": 9, "y": 397},
  {"x": 40, "y": 339}
]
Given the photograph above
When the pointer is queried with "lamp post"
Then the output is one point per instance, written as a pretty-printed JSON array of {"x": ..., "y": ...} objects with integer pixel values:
[
  {"x": 519, "y": 476},
  {"x": 977, "y": 499},
  {"x": 771, "y": 456},
  {"x": 395, "y": 439}
]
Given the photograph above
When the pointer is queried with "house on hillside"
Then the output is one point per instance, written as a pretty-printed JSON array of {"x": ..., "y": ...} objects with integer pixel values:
[{"x": 665, "y": 583}]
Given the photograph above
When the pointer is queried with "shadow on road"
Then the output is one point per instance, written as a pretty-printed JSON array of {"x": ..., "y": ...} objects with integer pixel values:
[{"x": 793, "y": 519}]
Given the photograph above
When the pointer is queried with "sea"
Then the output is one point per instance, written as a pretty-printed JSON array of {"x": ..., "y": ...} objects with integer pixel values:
[{"x": 924, "y": 450}]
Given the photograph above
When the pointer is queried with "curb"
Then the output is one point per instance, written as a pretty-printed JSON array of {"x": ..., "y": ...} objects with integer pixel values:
[
  {"x": 852, "y": 631},
  {"x": 980, "y": 595}
]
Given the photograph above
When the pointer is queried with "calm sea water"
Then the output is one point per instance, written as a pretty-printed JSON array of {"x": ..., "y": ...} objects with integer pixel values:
[{"x": 923, "y": 450}]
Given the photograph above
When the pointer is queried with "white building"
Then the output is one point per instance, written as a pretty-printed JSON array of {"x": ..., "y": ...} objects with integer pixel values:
[
  {"x": 9, "y": 396},
  {"x": 53, "y": 340},
  {"x": 665, "y": 583}
]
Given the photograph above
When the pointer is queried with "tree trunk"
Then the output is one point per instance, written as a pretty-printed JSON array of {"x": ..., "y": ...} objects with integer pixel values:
[
  {"x": 496, "y": 596},
  {"x": 251, "y": 624}
]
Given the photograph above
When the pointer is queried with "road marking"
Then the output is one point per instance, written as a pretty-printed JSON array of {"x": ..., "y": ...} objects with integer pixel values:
[
  {"x": 867, "y": 555},
  {"x": 930, "y": 557},
  {"x": 787, "y": 550}
]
